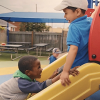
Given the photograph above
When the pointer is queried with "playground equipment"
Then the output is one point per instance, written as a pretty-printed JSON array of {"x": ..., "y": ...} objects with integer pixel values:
[
  {"x": 94, "y": 41},
  {"x": 90, "y": 2},
  {"x": 83, "y": 85}
]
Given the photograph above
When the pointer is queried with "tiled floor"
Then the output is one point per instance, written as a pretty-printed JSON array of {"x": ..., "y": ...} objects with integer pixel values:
[{"x": 4, "y": 78}]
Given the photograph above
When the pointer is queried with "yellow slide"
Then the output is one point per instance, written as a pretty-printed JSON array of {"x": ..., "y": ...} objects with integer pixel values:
[
  {"x": 82, "y": 86},
  {"x": 48, "y": 70}
]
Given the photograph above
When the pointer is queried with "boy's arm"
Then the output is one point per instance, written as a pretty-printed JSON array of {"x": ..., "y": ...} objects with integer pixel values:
[
  {"x": 32, "y": 87},
  {"x": 48, "y": 58},
  {"x": 69, "y": 61},
  {"x": 56, "y": 78},
  {"x": 55, "y": 73},
  {"x": 35, "y": 87},
  {"x": 96, "y": 8}
]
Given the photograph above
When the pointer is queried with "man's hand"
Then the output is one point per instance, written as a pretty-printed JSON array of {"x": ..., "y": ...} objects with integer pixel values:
[
  {"x": 65, "y": 78},
  {"x": 74, "y": 71}
]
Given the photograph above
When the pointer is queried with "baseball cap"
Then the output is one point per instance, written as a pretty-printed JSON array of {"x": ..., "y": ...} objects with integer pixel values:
[
  {"x": 56, "y": 50},
  {"x": 82, "y": 4}
]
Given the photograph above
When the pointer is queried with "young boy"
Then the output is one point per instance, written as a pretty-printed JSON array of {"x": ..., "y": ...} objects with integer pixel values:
[
  {"x": 55, "y": 54},
  {"x": 23, "y": 81},
  {"x": 78, "y": 34}
]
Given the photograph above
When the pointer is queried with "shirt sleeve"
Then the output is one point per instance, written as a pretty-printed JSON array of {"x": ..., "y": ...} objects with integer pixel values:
[
  {"x": 32, "y": 87},
  {"x": 89, "y": 19},
  {"x": 73, "y": 37}
]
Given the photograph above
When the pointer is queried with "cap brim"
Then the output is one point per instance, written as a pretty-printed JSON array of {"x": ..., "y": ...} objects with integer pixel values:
[
  {"x": 58, "y": 52},
  {"x": 60, "y": 7}
]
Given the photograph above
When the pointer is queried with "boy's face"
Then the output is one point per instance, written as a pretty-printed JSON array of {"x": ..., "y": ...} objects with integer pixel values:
[
  {"x": 70, "y": 15},
  {"x": 55, "y": 55},
  {"x": 36, "y": 70}
]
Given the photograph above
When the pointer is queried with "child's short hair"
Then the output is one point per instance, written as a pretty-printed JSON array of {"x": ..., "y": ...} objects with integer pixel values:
[
  {"x": 74, "y": 8},
  {"x": 26, "y": 63},
  {"x": 82, "y": 4}
]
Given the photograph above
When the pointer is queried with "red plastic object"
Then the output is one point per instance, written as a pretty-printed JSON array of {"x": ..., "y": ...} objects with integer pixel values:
[
  {"x": 89, "y": 12},
  {"x": 3, "y": 44},
  {"x": 94, "y": 38}
]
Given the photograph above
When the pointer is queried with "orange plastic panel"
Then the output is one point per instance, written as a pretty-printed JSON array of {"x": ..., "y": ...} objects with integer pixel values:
[{"x": 94, "y": 38}]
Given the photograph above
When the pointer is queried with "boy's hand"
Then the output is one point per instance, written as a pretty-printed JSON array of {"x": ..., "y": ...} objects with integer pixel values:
[
  {"x": 55, "y": 73},
  {"x": 96, "y": 8},
  {"x": 74, "y": 71},
  {"x": 65, "y": 78},
  {"x": 48, "y": 58}
]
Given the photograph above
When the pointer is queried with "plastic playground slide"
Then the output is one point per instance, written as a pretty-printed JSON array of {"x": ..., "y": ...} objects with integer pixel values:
[
  {"x": 48, "y": 70},
  {"x": 81, "y": 87}
]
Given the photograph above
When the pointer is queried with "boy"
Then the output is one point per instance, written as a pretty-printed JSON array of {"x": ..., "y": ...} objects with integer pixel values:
[
  {"x": 78, "y": 34},
  {"x": 55, "y": 54},
  {"x": 23, "y": 81}
]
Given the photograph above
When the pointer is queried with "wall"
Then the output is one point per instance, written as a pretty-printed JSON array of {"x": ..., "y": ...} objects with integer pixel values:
[
  {"x": 17, "y": 24},
  {"x": 3, "y": 37}
]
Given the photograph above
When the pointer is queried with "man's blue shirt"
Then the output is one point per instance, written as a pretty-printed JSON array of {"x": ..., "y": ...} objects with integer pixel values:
[
  {"x": 52, "y": 59},
  {"x": 78, "y": 35}
]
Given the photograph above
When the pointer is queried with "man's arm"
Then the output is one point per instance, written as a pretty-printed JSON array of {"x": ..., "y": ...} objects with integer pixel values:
[{"x": 69, "y": 61}]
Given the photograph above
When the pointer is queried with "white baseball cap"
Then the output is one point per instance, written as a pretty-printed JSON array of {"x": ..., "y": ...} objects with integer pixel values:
[
  {"x": 56, "y": 50},
  {"x": 82, "y": 4}
]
